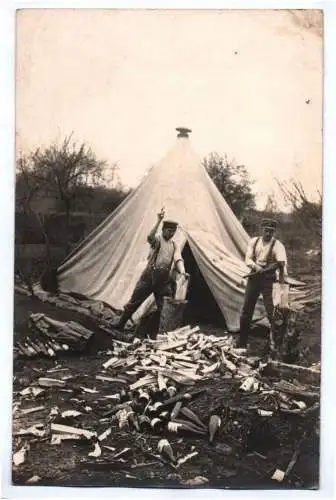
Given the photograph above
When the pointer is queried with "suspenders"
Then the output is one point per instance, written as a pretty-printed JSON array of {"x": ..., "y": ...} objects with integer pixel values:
[
  {"x": 270, "y": 250},
  {"x": 155, "y": 254}
]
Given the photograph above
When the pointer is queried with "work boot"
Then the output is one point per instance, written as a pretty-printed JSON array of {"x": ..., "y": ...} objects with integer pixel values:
[
  {"x": 241, "y": 342},
  {"x": 241, "y": 348}
]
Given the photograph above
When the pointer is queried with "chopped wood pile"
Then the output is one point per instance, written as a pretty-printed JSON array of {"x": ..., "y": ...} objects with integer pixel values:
[
  {"x": 307, "y": 296},
  {"x": 184, "y": 384},
  {"x": 49, "y": 337}
]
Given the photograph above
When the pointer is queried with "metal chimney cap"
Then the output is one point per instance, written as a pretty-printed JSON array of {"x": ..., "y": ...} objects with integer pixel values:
[{"x": 183, "y": 131}]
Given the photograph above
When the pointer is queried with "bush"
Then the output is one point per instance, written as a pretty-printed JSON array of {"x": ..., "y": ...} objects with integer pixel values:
[{"x": 28, "y": 231}]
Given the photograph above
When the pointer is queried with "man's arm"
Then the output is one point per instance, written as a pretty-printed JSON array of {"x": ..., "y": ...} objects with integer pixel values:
[
  {"x": 281, "y": 258},
  {"x": 249, "y": 257},
  {"x": 151, "y": 238},
  {"x": 180, "y": 266},
  {"x": 178, "y": 260}
]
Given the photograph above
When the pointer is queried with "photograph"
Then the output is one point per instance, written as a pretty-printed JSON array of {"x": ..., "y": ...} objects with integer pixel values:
[{"x": 168, "y": 248}]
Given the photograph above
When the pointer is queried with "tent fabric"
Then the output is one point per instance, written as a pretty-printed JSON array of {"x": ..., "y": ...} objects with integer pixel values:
[
  {"x": 108, "y": 263},
  {"x": 224, "y": 275}
]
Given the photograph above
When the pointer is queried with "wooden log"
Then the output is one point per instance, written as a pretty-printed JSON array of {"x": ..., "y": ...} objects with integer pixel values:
[
  {"x": 293, "y": 391},
  {"x": 172, "y": 314},
  {"x": 284, "y": 370},
  {"x": 72, "y": 430},
  {"x": 173, "y": 345}
]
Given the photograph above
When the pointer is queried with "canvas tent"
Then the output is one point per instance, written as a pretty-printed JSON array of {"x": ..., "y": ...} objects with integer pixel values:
[{"x": 108, "y": 263}]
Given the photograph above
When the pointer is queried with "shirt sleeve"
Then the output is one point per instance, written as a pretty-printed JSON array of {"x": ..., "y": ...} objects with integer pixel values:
[
  {"x": 177, "y": 254},
  {"x": 249, "y": 253},
  {"x": 280, "y": 254}
]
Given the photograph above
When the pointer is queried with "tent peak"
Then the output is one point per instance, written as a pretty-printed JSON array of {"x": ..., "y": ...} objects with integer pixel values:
[{"x": 183, "y": 131}]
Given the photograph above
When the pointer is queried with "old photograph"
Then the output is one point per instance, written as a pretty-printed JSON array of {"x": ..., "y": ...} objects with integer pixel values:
[{"x": 168, "y": 248}]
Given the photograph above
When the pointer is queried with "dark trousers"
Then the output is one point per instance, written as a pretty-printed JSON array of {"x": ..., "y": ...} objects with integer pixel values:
[
  {"x": 151, "y": 281},
  {"x": 256, "y": 285}
]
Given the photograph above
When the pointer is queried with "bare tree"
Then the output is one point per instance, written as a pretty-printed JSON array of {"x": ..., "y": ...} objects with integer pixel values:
[
  {"x": 64, "y": 170},
  {"x": 271, "y": 206},
  {"x": 306, "y": 212}
]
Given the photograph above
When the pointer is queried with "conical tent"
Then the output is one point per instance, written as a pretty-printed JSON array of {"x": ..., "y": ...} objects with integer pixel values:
[{"x": 108, "y": 263}]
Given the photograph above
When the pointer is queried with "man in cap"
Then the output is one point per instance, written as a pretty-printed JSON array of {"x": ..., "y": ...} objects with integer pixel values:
[
  {"x": 266, "y": 257},
  {"x": 164, "y": 259}
]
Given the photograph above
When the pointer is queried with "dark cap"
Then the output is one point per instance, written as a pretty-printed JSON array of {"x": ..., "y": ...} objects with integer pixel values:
[
  {"x": 169, "y": 224},
  {"x": 269, "y": 223}
]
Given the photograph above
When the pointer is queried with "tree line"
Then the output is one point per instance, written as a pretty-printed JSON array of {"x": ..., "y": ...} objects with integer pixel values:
[{"x": 68, "y": 178}]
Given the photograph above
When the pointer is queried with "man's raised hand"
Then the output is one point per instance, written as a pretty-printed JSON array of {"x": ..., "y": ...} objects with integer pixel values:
[{"x": 161, "y": 214}]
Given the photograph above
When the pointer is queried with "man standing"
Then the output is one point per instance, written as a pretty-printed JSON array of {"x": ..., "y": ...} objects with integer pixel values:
[
  {"x": 164, "y": 259},
  {"x": 266, "y": 257}
]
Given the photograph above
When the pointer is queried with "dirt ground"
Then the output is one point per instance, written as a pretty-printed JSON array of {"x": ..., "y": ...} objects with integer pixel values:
[{"x": 223, "y": 464}]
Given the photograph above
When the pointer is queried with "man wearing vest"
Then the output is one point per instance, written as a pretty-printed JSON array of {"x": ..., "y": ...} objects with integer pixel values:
[
  {"x": 164, "y": 259},
  {"x": 266, "y": 257}
]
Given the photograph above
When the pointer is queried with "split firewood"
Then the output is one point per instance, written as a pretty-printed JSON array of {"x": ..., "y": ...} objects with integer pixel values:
[
  {"x": 33, "y": 480},
  {"x": 122, "y": 452},
  {"x": 110, "y": 448},
  {"x": 32, "y": 410},
  {"x": 163, "y": 360},
  {"x": 34, "y": 430},
  {"x": 292, "y": 462},
  {"x": 58, "y": 438},
  {"x": 70, "y": 413},
  {"x": 165, "y": 448},
  {"x": 297, "y": 371},
  {"x": 96, "y": 451},
  {"x": 184, "y": 459},
  {"x": 24, "y": 350},
  {"x": 173, "y": 345},
  {"x": 50, "y": 382},
  {"x": 90, "y": 391},
  {"x": 250, "y": 384},
  {"x": 33, "y": 345},
  {"x": 179, "y": 375},
  {"x": 72, "y": 430},
  {"x": 175, "y": 356},
  {"x": 227, "y": 363},
  {"x": 186, "y": 425},
  {"x": 142, "y": 382},
  {"x": 289, "y": 388},
  {"x": 195, "y": 481},
  {"x": 20, "y": 456},
  {"x": 162, "y": 382},
  {"x": 110, "y": 362},
  {"x": 132, "y": 419},
  {"x": 214, "y": 425},
  {"x": 211, "y": 368},
  {"x": 176, "y": 410},
  {"x": 265, "y": 413},
  {"x": 186, "y": 412},
  {"x": 31, "y": 390},
  {"x": 111, "y": 379}
]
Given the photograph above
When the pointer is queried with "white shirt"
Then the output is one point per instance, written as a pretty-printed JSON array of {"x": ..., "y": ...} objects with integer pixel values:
[
  {"x": 261, "y": 251},
  {"x": 169, "y": 253}
]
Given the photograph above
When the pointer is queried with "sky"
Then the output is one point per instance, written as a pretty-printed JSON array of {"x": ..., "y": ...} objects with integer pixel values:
[{"x": 248, "y": 83}]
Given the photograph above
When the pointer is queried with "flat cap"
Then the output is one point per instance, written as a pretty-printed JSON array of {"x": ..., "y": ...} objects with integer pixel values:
[
  {"x": 269, "y": 223},
  {"x": 169, "y": 224}
]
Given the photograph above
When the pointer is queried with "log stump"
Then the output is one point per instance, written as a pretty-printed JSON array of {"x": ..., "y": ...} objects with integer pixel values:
[{"x": 172, "y": 314}]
